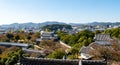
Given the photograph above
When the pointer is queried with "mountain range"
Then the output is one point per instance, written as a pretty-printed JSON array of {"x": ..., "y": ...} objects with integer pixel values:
[{"x": 31, "y": 24}]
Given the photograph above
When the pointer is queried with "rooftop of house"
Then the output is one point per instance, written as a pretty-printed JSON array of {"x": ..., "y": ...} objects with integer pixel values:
[
  {"x": 102, "y": 39},
  {"x": 85, "y": 52},
  {"x": 85, "y": 49},
  {"x": 43, "y": 33}
]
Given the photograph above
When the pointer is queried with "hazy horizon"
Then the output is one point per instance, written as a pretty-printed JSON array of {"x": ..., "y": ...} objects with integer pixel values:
[
  {"x": 58, "y": 21},
  {"x": 68, "y": 11}
]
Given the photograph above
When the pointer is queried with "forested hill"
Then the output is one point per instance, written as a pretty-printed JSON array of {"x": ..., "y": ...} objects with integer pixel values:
[{"x": 55, "y": 27}]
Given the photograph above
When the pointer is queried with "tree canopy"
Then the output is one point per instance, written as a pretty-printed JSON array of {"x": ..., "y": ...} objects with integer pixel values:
[
  {"x": 115, "y": 32},
  {"x": 82, "y": 38},
  {"x": 56, "y": 27}
]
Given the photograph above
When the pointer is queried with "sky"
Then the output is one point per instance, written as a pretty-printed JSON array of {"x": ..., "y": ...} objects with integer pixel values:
[{"x": 68, "y": 11}]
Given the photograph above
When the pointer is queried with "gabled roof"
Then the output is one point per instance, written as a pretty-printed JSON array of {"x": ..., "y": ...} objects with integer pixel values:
[
  {"x": 85, "y": 52},
  {"x": 102, "y": 37},
  {"x": 85, "y": 49},
  {"x": 43, "y": 33}
]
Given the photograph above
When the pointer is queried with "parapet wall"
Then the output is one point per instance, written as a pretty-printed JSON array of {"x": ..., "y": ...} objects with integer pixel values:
[{"x": 40, "y": 61}]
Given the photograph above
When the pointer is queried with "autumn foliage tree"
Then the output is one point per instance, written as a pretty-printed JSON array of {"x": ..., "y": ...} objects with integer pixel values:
[{"x": 9, "y": 56}]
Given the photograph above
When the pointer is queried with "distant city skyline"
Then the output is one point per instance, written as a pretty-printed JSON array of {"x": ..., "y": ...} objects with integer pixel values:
[{"x": 68, "y": 11}]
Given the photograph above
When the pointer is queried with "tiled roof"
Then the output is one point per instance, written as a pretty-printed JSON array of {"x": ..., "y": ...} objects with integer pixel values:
[
  {"x": 85, "y": 49},
  {"x": 14, "y": 44},
  {"x": 41, "y": 61},
  {"x": 102, "y": 37}
]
